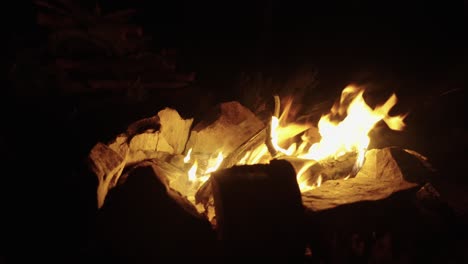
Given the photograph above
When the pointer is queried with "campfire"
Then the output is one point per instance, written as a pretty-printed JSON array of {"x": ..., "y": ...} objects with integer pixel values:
[
  {"x": 233, "y": 157},
  {"x": 341, "y": 135}
]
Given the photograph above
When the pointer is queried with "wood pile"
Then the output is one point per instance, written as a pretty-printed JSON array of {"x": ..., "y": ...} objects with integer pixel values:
[{"x": 358, "y": 217}]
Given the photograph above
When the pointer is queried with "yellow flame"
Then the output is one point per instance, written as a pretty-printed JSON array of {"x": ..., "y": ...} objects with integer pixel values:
[
  {"x": 244, "y": 159},
  {"x": 217, "y": 163},
  {"x": 337, "y": 137},
  {"x": 344, "y": 129},
  {"x": 192, "y": 173},
  {"x": 319, "y": 180},
  {"x": 198, "y": 175},
  {"x": 187, "y": 157},
  {"x": 275, "y": 138},
  {"x": 351, "y": 134}
]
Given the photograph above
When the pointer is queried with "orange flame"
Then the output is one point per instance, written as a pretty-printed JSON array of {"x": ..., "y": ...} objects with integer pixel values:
[{"x": 337, "y": 137}]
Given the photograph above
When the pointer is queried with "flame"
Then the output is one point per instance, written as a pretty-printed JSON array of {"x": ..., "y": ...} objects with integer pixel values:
[
  {"x": 217, "y": 162},
  {"x": 192, "y": 173},
  {"x": 197, "y": 175},
  {"x": 337, "y": 137},
  {"x": 187, "y": 157},
  {"x": 343, "y": 130},
  {"x": 351, "y": 134}
]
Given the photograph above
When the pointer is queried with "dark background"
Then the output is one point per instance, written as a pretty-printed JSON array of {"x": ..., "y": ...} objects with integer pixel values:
[{"x": 415, "y": 48}]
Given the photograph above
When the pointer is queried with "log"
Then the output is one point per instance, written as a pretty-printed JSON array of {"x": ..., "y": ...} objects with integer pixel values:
[
  {"x": 145, "y": 221},
  {"x": 143, "y": 125},
  {"x": 149, "y": 138},
  {"x": 107, "y": 165},
  {"x": 388, "y": 213},
  {"x": 384, "y": 172},
  {"x": 328, "y": 169},
  {"x": 205, "y": 191},
  {"x": 224, "y": 129},
  {"x": 153, "y": 137},
  {"x": 240, "y": 132},
  {"x": 174, "y": 129},
  {"x": 259, "y": 210}
]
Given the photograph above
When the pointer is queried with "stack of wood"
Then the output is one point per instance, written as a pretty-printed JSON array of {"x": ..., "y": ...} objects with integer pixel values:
[
  {"x": 389, "y": 213},
  {"x": 167, "y": 137},
  {"x": 251, "y": 201}
]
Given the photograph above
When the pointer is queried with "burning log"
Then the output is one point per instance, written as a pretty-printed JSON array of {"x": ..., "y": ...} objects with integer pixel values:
[
  {"x": 165, "y": 133},
  {"x": 259, "y": 210},
  {"x": 143, "y": 220},
  {"x": 154, "y": 137},
  {"x": 388, "y": 213},
  {"x": 240, "y": 132},
  {"x": 385, "y": 171},
  {"x": 205, "y": 192},
  {"x": 107, "y": 164},
  {"x": 226, "y": 128},
  {"x": 327, "y": 169}
]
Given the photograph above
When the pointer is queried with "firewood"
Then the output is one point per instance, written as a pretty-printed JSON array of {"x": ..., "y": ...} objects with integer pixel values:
[
  {"x": 328, "y": 169},
  {"x": 174, "y": 129},
  {"x": 384, "y": 172},
  {"x": 143, "y": 125},
  {"x": 224, "y": 129},
  {"x": 262, "y": 136},
  {"x": 205, "y": 191},
  {"x": 143, "y": 220},
  {"x": 167, "y": 132},
  {"x": 259, "y": 210},
  {"x": 390, "y": 198},
  {"x": 149, "y": 138},
  {"x": 107, "y": 165}
]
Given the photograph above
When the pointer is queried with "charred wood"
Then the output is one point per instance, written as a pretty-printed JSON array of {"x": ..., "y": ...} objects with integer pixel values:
[
  {"x": 143, "y": 220},
  {"x": 259, "y": 210}
]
